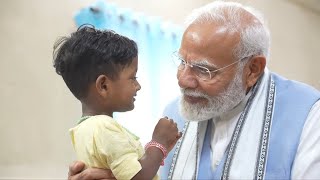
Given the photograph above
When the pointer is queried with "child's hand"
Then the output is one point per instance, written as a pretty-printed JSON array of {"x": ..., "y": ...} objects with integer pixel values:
[{"x": 166, "y": 133}]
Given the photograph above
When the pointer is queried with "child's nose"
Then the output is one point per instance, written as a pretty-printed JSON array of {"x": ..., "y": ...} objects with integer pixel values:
[{"x": 138, "y": 86}]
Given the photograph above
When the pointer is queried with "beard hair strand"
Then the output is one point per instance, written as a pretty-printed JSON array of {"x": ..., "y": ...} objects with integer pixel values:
[{"x": 217, "y": 105}]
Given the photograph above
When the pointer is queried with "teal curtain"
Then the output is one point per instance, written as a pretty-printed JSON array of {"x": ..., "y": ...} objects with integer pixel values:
[{"x": 156, "y": 40}]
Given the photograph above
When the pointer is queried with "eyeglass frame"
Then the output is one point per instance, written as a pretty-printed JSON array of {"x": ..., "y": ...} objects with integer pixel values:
[{"x": 191, "y": 65}]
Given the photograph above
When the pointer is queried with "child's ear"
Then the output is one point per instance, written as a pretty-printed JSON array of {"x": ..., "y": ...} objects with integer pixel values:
[{"x": 102, "y": 84}]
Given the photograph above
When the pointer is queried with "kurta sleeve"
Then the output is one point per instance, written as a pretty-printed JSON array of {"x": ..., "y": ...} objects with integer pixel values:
[{"x": 307, "y": 161}]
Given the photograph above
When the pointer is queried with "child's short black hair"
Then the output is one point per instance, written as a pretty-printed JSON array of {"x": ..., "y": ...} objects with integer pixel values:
[{"x": 88, "y": 53}]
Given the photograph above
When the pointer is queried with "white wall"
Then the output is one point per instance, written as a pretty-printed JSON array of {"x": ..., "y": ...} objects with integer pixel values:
[{"x": 36, "y": 107}]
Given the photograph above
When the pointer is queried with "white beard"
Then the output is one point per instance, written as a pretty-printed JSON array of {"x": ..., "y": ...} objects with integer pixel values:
[{"x": 217, "y": 105}]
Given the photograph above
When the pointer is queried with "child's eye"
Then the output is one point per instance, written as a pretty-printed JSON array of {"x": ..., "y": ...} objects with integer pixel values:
[{"x": 135, "y": 78}]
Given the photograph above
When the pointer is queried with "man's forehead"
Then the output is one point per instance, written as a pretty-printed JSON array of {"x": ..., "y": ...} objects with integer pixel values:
[
  {"x": 211, "y": 36},
  {"x": 207, "y": 41}
]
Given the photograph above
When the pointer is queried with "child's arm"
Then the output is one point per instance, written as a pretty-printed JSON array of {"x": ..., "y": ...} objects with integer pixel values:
[
  {"x": 150, "y": 163},
  {"x": 166, "y": 134}
]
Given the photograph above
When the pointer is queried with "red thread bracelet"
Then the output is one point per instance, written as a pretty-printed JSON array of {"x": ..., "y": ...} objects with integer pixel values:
[{"x": 164, "y": 151}]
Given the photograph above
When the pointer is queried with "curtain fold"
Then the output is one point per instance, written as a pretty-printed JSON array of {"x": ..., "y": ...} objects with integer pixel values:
[{"x": 156, "y": 40}]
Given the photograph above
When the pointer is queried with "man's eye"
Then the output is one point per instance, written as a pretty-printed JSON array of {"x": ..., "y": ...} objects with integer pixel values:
[
  {"x": 200, "y": 69},
  {"x": 182, "y": 62}
]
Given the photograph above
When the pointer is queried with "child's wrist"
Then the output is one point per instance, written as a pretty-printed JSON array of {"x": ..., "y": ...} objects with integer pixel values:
[{"x": 161, "y": 147}]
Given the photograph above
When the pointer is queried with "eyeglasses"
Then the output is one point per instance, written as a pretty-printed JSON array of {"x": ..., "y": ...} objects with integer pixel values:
[{"x": 200, "y": 71}]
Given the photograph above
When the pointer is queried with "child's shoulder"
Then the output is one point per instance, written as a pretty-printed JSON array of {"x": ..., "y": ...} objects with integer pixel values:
[{"x": 102, "y": 122}]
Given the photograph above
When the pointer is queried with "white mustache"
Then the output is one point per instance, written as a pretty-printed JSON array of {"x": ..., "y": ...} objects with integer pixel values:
[{"x": 193, "y": 93}]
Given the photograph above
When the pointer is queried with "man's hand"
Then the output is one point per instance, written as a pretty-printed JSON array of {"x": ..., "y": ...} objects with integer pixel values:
[{"x": 77, "y": 172}]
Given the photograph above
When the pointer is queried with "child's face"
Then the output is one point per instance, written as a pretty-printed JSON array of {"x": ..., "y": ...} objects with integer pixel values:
[{"x": 124, "y": 89}]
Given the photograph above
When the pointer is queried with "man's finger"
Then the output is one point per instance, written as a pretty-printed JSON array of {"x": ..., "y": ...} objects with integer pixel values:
[
  {"x": 75, "y": 168},
  {"x": 95, "y": 173}
]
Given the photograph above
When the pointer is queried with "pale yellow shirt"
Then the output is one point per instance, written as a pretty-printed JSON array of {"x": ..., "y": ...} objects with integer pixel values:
[{"x": 101, "y": 142}]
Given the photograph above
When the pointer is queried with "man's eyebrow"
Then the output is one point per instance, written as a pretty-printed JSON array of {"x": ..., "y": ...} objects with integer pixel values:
[{"x": 205, "y": 63}]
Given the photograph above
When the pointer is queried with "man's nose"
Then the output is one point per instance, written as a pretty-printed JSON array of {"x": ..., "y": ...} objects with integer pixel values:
[{"x": 186, "y": 79}]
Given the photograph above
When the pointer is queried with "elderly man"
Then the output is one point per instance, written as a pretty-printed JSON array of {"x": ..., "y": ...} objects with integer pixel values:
[{"x": 241, "y": 121}]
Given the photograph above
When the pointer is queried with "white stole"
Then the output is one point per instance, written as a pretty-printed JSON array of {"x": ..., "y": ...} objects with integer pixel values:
[{"x": 185, "y": 164}]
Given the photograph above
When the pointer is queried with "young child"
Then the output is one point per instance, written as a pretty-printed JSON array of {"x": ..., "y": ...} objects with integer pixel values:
[{"x": 100, "y": 67}]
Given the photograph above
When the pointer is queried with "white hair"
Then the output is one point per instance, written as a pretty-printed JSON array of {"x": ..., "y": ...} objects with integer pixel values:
[{"x": 254, "y": 37}]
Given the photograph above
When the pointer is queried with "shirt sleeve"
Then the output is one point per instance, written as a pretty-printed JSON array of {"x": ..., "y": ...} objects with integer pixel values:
[
  {"x": 114, "y": 144},
  {"x": 307, "y": 160}
]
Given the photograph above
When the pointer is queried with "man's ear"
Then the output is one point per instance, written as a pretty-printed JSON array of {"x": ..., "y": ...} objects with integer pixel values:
[
  {"x": 254, "y": 70},
  {"x": 102, "y": 83}
]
